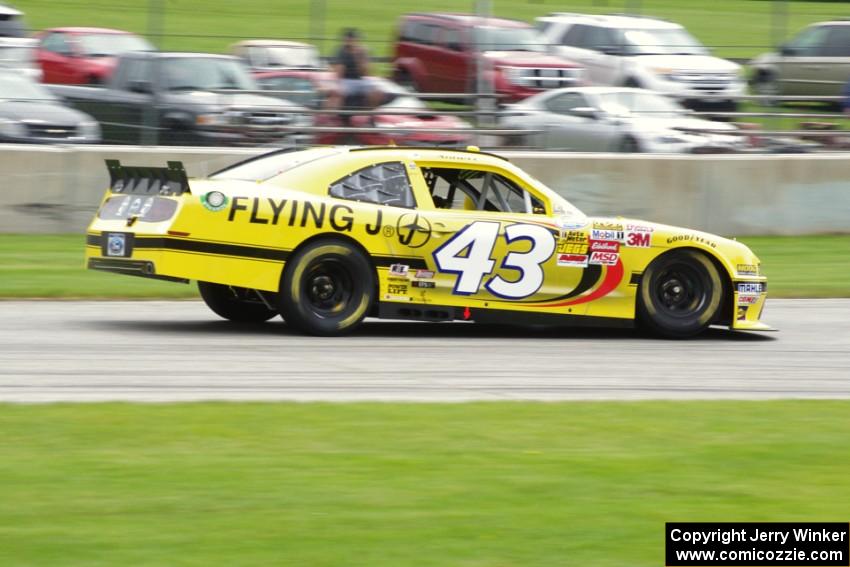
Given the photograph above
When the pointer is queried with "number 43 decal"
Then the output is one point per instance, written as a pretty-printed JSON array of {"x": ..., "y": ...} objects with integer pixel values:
[{"x": 468, "y": 254}]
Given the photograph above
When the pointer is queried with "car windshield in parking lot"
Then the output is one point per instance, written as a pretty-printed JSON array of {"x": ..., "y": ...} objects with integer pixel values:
[
  {"x": 111, "y": 44},
  {"x": 14, "y": 86},
  {"x": 291, "y": 56},
  {"x": 205, "y": 74},
  {"x": 642, "y": 103},
  {"x": 508, "y": 39},
  {"x": 671, "y": 41}
]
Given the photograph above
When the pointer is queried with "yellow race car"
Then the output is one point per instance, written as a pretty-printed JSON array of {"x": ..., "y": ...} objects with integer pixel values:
[{"x": 327, "y": 236}]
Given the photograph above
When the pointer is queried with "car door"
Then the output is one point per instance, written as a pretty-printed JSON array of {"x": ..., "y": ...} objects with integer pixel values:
[
  {"x": 833, "y": 71},
  {"x": 601, "y": 49},
  {"x": 56, "y": 59},
  {"x": 575, "y": 124},
  {"x": 452, "y": 66},
  {"x": 133, "y": 105},
  {"x": 800, "y": 60},
  {"x": 492, "y": 242}
]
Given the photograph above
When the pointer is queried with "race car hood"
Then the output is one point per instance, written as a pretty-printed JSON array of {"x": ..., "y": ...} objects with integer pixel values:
[
  {"x": 687, "y": 63},
  {"x": 526, "y": 59}
]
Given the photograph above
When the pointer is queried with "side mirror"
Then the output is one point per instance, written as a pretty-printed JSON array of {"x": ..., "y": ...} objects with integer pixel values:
[
  {"x": 787, "y": 50},
  {"x": 141, "y": 86},
  {"x": 586, "y": 112}
]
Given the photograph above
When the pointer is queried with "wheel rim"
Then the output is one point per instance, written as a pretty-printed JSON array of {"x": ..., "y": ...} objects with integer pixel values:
[
  {"x": 328, "y": 287},
  {"x": 680, "y": 291}
]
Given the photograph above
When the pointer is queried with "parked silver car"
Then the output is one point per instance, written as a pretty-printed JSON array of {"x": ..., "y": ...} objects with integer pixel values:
[
  {"x": 816, "y": 62},
  {"x": 18, "y": 54},
  {"x": 615, "y": 119}
]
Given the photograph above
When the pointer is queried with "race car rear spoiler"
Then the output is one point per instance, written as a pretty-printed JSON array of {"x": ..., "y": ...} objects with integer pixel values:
[{"x": 136, "y": 180}]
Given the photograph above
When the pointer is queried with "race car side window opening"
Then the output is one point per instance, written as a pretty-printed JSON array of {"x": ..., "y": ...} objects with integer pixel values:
[
  {"x": 472, "y": 189},
  {"x": 382, "y": 184}
]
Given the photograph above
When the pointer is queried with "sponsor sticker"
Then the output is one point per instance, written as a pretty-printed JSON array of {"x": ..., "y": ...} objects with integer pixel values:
[
  {"x": 638, "y": 228},
  {"x": 115, "y": 244},
  {"x": 572, "y": 248},
  {"x": 748, "y": 299},
  {"x": 570, "y": 224},
  {"x": 604, "y": 258},
  {"x": 750, "y": 288},
  {"x": 391, "y": 297},
  {"x": 424, "y": 274},
  {"x": 397, "y": 289},
  {"x": 638, "y": 239},
  {"x": 399, "y": 270},
  {"x": 691, "y": 238},
  {"x": 602, "y": 225},
  {"x": 605, "y": 234},
  {"x": 742, "y": 313},
  {"x": 747, "y": 269},
  {"x": 422, "y": 284},
  {"x": 604, "y": 246},
  {"x": 575, "y": 260},
  {"x": 214, "y": 201}
]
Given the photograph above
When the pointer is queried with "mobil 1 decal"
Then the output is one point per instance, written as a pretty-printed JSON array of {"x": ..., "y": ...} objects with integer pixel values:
[{"x": 288, "y": 212}]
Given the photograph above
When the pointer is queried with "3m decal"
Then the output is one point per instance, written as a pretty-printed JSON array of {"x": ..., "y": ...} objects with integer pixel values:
[
  {"x": 638, "y": 239},
  {"x": 469, "y": 255}
]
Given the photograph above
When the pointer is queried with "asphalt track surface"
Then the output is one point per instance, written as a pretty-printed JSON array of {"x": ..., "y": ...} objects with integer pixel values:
[{"x": 179, "y": 351}]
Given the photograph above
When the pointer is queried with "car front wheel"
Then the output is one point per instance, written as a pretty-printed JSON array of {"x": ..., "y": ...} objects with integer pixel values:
[
  {"x": 680, "y": 294},
  {"x": 327, "y": 288}
]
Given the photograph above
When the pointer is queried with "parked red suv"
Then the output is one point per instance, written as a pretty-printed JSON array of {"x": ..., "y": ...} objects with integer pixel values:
[
  {"x": 445, "y": 53},
  {"x": 83, "y": 56}
]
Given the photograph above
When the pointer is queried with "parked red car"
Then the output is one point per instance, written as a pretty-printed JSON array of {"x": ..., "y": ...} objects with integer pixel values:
[
  {"x": 446, "y": 53},
  {"x": 84, "y": 56},
  {"x": 406, "y": 121}
]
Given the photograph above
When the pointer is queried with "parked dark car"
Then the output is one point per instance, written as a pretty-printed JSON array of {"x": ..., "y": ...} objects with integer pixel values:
[
  {"x": 29, "y": 113},
  {"x": 84, "y": 56},
  {"x": 187, "y": 99},
  {"x": 446, "y": 53}
]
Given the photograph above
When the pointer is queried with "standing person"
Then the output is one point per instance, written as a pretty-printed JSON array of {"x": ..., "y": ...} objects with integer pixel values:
[{"x": 351, "y": 66}]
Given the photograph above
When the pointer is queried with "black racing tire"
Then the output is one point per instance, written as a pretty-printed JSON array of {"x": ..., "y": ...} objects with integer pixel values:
[
  {"x": 234, "y": 303},
  {"x": 327, "y": 288},
  {"x": 680, "y": 294}
]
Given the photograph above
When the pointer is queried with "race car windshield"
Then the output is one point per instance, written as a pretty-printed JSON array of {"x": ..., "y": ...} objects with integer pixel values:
[
  {"x": 111, "y": 44},
  {"x": 263, "y": 168},
  {"x": 673, "y": 41},
  {"x": 508, "y": 39},
  {"x": 206, "y": 74}
]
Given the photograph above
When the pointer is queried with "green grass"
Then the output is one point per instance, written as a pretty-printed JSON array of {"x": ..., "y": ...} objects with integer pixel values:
[
  {"x": 488, "y": 484},
  {"x": 51, "y": 266},
  {"x": 734, "y": 28}
]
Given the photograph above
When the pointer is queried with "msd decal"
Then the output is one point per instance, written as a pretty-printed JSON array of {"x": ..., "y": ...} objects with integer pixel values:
[
  {"x": 604, "y": 246},
  {"x": 604, "y": 258}
]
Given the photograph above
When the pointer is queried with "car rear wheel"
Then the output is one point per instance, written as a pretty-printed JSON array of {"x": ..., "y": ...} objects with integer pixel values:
[
  {"x": 235, "y": 303},
  {"x": 765, "y": 84},
  {"x": 680, "y": 294},
  {"x": 327, "y": 288}
]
